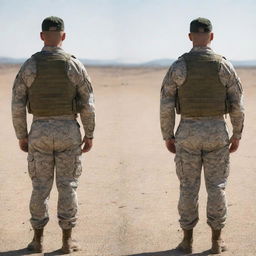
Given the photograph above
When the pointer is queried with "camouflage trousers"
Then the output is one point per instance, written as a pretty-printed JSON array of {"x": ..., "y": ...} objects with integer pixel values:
[
  {"x": 202, "y": 143},
  {"x": 54, "y": 150}
]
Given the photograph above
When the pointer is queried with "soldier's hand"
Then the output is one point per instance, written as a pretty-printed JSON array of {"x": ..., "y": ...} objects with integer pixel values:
[
  {"x": 170, "y": 145},
  {"x": 234, "y": 144},
  {"x": 23, "y": 143},
  {"x": 87, "y": 145}
]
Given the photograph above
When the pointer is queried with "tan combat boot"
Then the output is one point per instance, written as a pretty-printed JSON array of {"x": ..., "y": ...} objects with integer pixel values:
[
  {"x": 186, "y": 243},
  {"x": 69, "y": 245},
  {"x": 36, "y": 245},
  {"x": 218, "y": 244}
]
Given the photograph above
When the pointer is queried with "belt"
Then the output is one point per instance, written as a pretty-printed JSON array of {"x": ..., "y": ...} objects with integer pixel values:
[
  {"x": 66, "y": 117},
  {"x": 201, "y": 118}
]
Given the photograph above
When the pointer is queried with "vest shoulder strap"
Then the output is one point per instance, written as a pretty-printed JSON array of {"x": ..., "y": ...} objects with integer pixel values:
[
  {"x": 187, "y": 54},
  {"x": 183, "y": 55},
  {"x": 36, "y": 55},
  {"x": 39, "y": 55}
]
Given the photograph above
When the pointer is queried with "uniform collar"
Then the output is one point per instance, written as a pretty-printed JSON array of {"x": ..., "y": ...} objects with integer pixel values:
[
  {"x": 52, "y": 49},
  {"x": 201, "y": 49}
]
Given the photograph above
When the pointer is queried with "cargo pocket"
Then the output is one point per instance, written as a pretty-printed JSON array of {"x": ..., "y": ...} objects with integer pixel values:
[
  {"x": 226, "y": 166},
  {"x": 31, "y": 166},
  {"x": 78, "y": 167},
  {"x": 179, "y": 167}
]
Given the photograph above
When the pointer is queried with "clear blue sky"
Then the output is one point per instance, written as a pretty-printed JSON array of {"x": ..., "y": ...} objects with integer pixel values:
[{"x": 129, "y": 30}]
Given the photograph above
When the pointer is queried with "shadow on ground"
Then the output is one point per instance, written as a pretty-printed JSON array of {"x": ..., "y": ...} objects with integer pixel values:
[
  {"x": 24, "y": 251},
  {"x": 20, "y": 252},
  {"x": 172, "y": 252}
]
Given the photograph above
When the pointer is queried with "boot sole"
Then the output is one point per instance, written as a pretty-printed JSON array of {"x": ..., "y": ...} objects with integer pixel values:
[
  {"x": 66, "y": 251},
  {"x": 34, "y": 250},
  {"x": 190, "y": 250},
  {"x": 220, "y": 250}
]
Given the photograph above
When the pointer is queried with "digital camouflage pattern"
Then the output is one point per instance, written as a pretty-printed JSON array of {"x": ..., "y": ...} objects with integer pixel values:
[
  {"x": 78, "y": 76},
  {"x": 54, "y": 143},
  {"x": 176, "y": 76},
  {"x": 201, "y": 142}
]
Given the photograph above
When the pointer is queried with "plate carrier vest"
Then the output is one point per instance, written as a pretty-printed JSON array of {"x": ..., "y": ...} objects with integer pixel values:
[
  {"x": 51, "y": 93},
  {"x": 202, "y": 94}
]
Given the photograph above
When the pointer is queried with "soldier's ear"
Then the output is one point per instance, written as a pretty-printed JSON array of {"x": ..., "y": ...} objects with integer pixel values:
[
  {"x": 190, "y": 37},
  {"x": 42, "y": 36},
  {"x": 63, "y": 36},
  {"x": 211, "y": 36}
]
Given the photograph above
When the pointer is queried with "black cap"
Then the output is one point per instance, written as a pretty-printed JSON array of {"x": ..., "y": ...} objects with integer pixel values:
[
  {"x": 53, "y": 23},
  {"x": 201, "y": 25}
]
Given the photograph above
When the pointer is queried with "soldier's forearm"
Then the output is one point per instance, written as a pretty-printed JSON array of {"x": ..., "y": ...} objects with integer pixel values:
[
  {"x": 19, "y": 102},
  {"x": 167, "y": 120},
  {"x": 237, "y": 122},
  {"x": 19, "y": 119},
  {"x": 20, "y": 127},
  {"x": 237, "y": 129},
  {"x": 88, "y": 121}
]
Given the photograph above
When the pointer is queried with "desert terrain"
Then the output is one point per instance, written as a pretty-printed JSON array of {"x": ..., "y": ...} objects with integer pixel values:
[{"x": 128, "y": 191}]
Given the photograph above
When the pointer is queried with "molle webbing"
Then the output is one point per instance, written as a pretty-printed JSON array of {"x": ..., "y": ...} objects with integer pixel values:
[
  {"x": 51, "y": 93},
  {"x": 202, "y": 94}
]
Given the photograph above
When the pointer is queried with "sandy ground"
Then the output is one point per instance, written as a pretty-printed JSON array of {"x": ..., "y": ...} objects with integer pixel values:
[{"x": 128, "y": 192}]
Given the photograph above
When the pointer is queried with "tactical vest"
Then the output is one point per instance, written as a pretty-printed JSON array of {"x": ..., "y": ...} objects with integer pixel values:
[
  {"x": 51, "y": 93},
  {"x": 202, "y": 93}
]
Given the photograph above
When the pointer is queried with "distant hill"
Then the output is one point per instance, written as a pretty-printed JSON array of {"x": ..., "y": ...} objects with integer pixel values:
[
  {"x": 6, "y": 60},
  {"x": 244, "y": 63},
  {"x": 168, "y": 62},
  {"x": 158, "y": 63},
  {"x": 152, "y": 63},
  {"x": 93, "y": 62}
]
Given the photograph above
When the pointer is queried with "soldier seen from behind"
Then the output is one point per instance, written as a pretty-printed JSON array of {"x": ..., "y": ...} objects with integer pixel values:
[
  {"x": 203, "y": 87},
  {"x": 55, "y": 87}
]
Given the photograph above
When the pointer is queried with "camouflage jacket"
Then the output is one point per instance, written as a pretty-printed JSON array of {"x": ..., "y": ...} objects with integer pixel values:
[
  {"x": 77, "y": 75},
  {"x": 176, "y": 76}
]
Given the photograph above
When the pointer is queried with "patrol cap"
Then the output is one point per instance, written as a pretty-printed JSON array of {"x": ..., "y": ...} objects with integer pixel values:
[
  {"x": 53, "y": 23},
  {"x": 201, "y": 25}
]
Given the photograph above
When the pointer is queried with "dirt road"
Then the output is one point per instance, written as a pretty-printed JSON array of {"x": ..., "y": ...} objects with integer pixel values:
[{"x": 128, "y": 192}]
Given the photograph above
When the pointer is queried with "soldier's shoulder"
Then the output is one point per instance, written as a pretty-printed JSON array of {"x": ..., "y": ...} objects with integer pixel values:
[
  {"x": 75, "y": 61},
  {"x": 178, "y": 65},
  {"x": 226, "y": 65},
  {"x": 225, "y": 61},
  {"x": 28, "y": 67},
  {"x": 29, "y": 61},
  {"x": 177, "y": 71},
  {"x": 179, "y": 61},
  {"x": 227, "y": 73},
  {"x": 76, "y": 70}
]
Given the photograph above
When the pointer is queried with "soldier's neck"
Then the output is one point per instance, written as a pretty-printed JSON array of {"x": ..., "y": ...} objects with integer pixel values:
[
  {"x": 201, "y": 45},
  {"x": 53, "y": 45}
]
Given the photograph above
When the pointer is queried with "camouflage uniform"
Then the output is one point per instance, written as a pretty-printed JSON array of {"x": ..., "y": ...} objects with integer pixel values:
[
  {"x": 201, "y": 141},
  {"x": 54, "y": 143}
]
